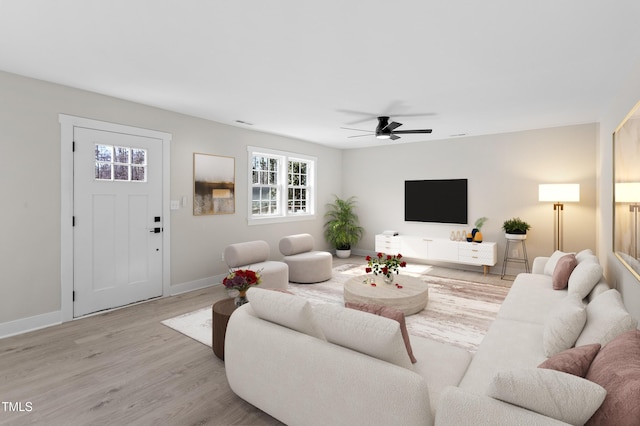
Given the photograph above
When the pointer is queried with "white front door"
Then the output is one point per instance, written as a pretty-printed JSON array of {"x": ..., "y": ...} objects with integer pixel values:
[{"x": 117, "y": 232}]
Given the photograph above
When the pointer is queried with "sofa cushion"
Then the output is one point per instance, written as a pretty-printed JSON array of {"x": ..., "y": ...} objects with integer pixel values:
[
  {"x": 562, "y": 271},
  {"x": 372, "y": 335},
  {"x": 507, "y": 345},
  {"x": 574, "y": 361},
  {"x": 606, "y": 318},
  {"x": 550, "y": 266},
  {"x": 584, "y": 277},
  {"x": 617, "y": 369},
  {"x": 284, "y": 309},
  {"x": 530, "y": 299},
  {"x": 552, "y": 393},
  {"x": 244, "y": 254},
  {"x": 563, "y": 325},
  {"x": 387, "y": 312}
]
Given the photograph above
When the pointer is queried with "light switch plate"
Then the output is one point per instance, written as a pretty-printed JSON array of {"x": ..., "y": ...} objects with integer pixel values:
[{"x": 175, "y": 205}]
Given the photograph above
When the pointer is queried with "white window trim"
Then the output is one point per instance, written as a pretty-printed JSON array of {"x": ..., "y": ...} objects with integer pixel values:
[{"x": 285, "y": 216}]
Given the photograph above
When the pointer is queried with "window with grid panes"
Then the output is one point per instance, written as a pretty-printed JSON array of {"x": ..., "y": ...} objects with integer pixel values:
[{"x": 282, "y": 185}]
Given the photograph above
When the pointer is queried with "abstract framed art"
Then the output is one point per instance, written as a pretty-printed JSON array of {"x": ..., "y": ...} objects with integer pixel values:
[{"x": 214, "y": 184}]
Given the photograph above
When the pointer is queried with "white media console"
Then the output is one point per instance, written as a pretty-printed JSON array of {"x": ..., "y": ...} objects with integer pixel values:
[{"x": 423, "y": 248}]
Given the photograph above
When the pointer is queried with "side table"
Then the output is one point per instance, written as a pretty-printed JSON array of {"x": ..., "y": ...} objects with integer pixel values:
[
  {"x": 220, "y": 313},
  {"x": 508, "y": 258}
]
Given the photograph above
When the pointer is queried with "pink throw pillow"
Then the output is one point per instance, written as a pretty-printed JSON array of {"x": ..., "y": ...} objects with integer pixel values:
[
  {"x": 565, "y": 266},
  {"x": 617, "y": 369},
  {"x": 574, "y": 361},
  {"x": 387, "y": 312}
]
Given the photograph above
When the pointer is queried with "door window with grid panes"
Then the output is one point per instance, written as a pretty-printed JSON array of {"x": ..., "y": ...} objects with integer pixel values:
[{"x": 118, "y": 163}]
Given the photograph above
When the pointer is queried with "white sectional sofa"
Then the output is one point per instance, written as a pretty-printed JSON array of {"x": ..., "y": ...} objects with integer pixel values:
[{"x": 325, "y": 364}]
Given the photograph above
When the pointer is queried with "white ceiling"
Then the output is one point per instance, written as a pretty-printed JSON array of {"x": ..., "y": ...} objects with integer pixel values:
[{"x": 304, "y": 69}]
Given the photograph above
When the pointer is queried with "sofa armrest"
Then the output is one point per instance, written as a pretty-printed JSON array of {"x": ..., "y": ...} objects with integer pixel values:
[
  {"x": 538, "y": 264},
  {"x": 458, "y": 407}
]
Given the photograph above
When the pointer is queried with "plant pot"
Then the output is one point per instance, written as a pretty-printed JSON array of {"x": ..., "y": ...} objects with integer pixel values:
[
  {"x": 343, "y": 254},
  {"x": 510, "y": 236}
]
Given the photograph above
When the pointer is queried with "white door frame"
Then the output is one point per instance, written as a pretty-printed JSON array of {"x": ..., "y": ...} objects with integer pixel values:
[{"x": 67, "y": 123}]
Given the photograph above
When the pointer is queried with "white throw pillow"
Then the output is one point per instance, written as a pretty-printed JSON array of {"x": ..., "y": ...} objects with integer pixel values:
[
  {"x": 586, "y": 255},
  {"x": 563, "y": 325},
  {"x": 607, "y": 318},
  {"x": 372, "y": 335},
  {"x": 550, "y": 266},
  {"x": 552, "y": 393},
  {"x": 284, "y": 309},
  {"x": 584, "y": 277}
]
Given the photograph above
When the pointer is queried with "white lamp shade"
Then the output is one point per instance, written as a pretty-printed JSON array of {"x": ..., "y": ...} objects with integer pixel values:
[
  {"x": 556, "y": 192},
  {"x": 628, "y": 192}
]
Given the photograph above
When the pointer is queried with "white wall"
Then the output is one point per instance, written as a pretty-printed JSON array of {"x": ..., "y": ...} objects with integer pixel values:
[
  {"x": 615, "y": 112},
  {"x": 503, "y": 172},
  {"x": 30, "y": 190}
]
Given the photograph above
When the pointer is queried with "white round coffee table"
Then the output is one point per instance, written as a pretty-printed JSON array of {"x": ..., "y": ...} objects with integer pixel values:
[{"x": 410, "y": 299}]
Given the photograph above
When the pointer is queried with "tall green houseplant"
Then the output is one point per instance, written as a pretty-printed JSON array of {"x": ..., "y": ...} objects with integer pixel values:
[{"x": 342, "y": 229}]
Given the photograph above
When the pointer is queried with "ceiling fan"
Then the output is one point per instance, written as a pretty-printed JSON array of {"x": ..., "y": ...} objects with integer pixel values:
[{"x": 386, "y": 130}]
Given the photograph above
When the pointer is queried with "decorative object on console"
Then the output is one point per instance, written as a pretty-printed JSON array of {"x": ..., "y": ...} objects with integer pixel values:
[
  {"x": 342, "y": 229},
  {"x": 476, "y": 235},
  {"x": 241, "y": 280},
  {"x": 558, "y": 193},
  {"x": 385, "y": 264}
]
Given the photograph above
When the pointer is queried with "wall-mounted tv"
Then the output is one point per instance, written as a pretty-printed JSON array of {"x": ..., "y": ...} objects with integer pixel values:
[{"x": 441, "y": 201}]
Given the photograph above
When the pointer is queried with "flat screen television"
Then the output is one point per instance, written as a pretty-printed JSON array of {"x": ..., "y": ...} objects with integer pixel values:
[{"x": 440, "y": 201}]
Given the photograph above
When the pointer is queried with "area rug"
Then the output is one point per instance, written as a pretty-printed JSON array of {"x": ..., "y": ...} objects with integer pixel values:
[{"x": 459, "y": 312}]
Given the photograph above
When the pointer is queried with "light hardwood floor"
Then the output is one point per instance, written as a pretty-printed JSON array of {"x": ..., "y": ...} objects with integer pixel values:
[
  {"x": 125, "y": 368},
  {"x": 121, "y": 368}
]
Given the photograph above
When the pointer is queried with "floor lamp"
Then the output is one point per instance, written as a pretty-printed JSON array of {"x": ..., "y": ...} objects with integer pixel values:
[
  {"x": 629, "y": 192},
  {"x": 558, "y": 193}
]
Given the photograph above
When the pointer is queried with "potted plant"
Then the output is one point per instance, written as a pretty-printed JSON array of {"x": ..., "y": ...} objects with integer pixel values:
[
  {"x": 476, "y": 235},
  {"x": 342, "y": 229},
  {"x": 515, "y": 228}
]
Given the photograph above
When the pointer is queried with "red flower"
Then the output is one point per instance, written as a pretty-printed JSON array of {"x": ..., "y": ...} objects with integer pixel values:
[
  {"x": 368, "y": 258},
  {"x": 389, "y": 257},
  {"x": 367, "y": 270},
  {"x": 373, "y": 284},
  {"x": 399, "y": 256},
  {"x": 403, "y": 264},
  {"x": 385, "y": 270},
  {"x": 380, "y": 255}
]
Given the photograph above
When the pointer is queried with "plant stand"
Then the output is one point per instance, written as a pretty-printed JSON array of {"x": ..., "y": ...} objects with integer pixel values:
[{"x": 518, "y": 239}]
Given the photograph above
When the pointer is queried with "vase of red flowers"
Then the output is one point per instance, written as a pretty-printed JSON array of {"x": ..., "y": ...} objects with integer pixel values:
[
  {"x": 241, "y": 280},
  {"x": 385, "y": 265}
]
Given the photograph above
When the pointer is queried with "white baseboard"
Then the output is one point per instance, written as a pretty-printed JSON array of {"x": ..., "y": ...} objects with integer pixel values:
[
  {"x": 24, "y": 325},
  {"x": 195, "y": 285}
]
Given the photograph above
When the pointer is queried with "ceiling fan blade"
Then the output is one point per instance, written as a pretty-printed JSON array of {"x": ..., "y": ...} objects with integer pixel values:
[
  {"x": 359, "y": 136},
  {"x": 414, "y": 131},
  {"x": 359, "y": 130},
  {"x": 393, "y": 137},
  {"x": 391, "y": 126}
]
